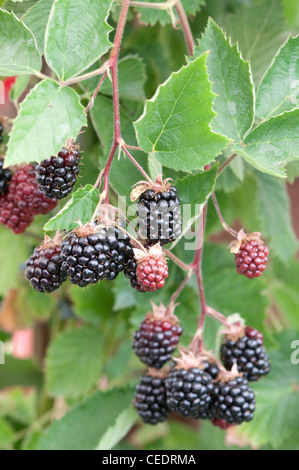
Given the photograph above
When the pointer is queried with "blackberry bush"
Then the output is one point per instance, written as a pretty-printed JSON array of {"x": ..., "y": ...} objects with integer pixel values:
[
  {"x": 150, "y": 398},
  {"x": 56, "y": 176}
]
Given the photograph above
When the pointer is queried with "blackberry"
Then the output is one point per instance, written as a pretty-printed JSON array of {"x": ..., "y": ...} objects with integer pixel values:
[
  {"x": 44, "y": 267},
  {"x": 156, "y": 339},
  {"x": 56, "y": 176},
  {"x": 234, "y": 401},
  {"x": 92, "y": 253},
  {"x": 248, "y": 352},
  {"x": 159, "y": 212},
  {"x": 151, "y": 270},
  {"x": 211, "y": 368},
  {"x": 5, "y": 177},
  {"x": 251, "y": 255},
  {"x": 221, "y": 423},
  {"x": 189, "y": 388},
  {"x": 150, "y": 398},
  {"x": 130, "y": 273}
]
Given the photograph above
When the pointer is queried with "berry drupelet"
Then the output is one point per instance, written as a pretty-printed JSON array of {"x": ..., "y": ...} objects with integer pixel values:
[
  {"x": 189, "y": 389},
  {"x": 251, "y": 255},
  {"x": 150, "y": 398},
  {"x": 5, "y": 177},
  {"x": 156, "y": 339},
  {"x": 159, "y": 212},
  {"x": 1, "y": 133},
  {"x": 56, "y": 176},
  {"x": 245, "y": 348},
  {"x": 44, "y": 267},
  {"x": 93, "y": 252}
]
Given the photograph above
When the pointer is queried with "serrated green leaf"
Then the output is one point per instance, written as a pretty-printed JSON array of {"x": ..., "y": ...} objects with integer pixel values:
[
  {"x": 73, "y": 362},
  {"x": 259, "y": 29},
  {"x": 86, "y": 303},
  {"x": 272, "y": 144},
  {"x": 18, "y": 52},
  {"x": 48, "y": 117},
  {"x": 292, "y": 171},
  {"x": 279, "y": 88},
  {"x": 175, "y": 122},
  {"x": 277, "y": 412},
  {"x": 152, "y": 16},
  {"x": 132, "y": 77},
  {"x": 122, "y": 426},
  {"x": 19, "y": 8},
  {"x": 275, "y": 216},
  {"x": 36, "y": 19},
  {"x": 195, "y": 189},
  {"x": 23, "y": 372},
  {"x": 76, "y": 35},
  {"x": 231, "y": 82},
  {"x": 84, "y": 426},
  {"x": 81, "y": 206}
]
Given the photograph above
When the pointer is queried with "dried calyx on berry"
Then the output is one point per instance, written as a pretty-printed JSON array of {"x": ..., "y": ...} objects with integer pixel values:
[
  {"x": 251, "y": 255},
  {"x": 23, "y": 200},
  {"x": 56, "y": 176},
  {"x": 147, "y": 269},
  {"x": 244, "y": 347},
  {"x": 95, "y": 251},
  {"x": 159, "y": 211},
  {"x": 234, "y": 400},
  {"x": 189, "y": 388},
  {"x": 150, "y": 398},
  {"x": 44, "y": 267},
  {"x": 5, "y": 177},
  {"x": 156, "y": 339}
]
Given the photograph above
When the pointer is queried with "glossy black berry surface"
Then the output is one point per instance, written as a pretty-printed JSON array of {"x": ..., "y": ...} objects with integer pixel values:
[
  {"x": 5, "y": 177},
  {"x": 150, "y": 400}
]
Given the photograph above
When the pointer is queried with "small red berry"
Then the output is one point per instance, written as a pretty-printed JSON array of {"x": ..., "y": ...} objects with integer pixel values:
[
  {"x": 151, "y": 273},
  {"x": 251, "y": 255},
  {"x": 222, "y": 424}
]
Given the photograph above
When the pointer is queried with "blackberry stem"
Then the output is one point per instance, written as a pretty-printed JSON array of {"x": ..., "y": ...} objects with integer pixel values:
[
  {"x": 226, "y": 227},
  {"x": 91, "y": 102},
  {"x": 176, "y": 294},
  {"x": 226, "y": 163},
  {"x": 177, "y": 261},
  {"x": 139, "y": 167},
  {"x": 217, "y": 316},
  {"x": 185, "y": 26}
]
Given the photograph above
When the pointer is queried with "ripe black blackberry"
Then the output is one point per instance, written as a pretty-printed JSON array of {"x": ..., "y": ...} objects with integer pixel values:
[
  {"x": 211, "y": 368},
  {"x": 56, "y": 176},
  {"x": 189, "y": 389},
  {"x": 150, "y": 398},
  {"x": 234, "y": 400},
  {"x": 156, "y": 339},
  {"x": 159, "y": 212},
  {"x": 92, "y": 253},
  {"x": 245, "y": 348},
  {"x": 44, "y": 267},
  {"x": 5, "y": 177}
]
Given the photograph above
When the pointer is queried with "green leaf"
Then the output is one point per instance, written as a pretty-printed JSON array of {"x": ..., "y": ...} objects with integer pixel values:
[
  {"x": 195, "y": 189},
  {"x": 291, "y": 12},
  {"x": 132, "y": 77},
  {"x": 175, "y": 122},
  {"x": 259, "y": 29},
  {"x": 279, "y": 89},
  {"x": 86, "y": 303},
  {"x": 19, "y": 8},
  {"x": 275, "y": 216},
  {"x": 73, "y": 362},
  {"x": 20, "y": 372},
  {"x": 120, "y": 429},
  {"x": 6, "y": 433},
  {"x": 48, "y": 117},
  {"x": 18, "y": 52},
  {"x": 81, "y": 206},
  {"x": 152, "y": 16},
  {"x": 277, "y": 412},
  {"x": 36, "y": 19},
  {"x": 272, "y": 144},
  {"x": 155, "y": 168},
  {"x": 231, "y": 82},
  {"x": 76, "y": 35},
  {"x": 20, "y": 85},
  {"x": 86, "y": 425}
]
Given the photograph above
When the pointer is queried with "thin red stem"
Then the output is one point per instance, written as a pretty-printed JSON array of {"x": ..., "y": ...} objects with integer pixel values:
[
  {"x": 176, "y": 294},
  {"x": 177, "y": 261},
  {"x": 226, "y": 227},
  {"x": 139, "y": 167},
  {"x": 185, "y": 26},
  {"x": 217, "y": 316},
  {"x": 226, "y": 163},
  {"x": 91, "y": 103}
]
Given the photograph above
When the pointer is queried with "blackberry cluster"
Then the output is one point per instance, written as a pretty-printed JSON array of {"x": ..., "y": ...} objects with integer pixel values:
[
  {"x": 44, "y": 268},
  {"x": 248, "y": 352},
  {"x": 1, "y": 133},
  {"x": 23, "y": 201},
  {"x": 5, "y": 177},
  {"x": 150, "y": 399},
  {"x": 155, "y": 341},
  {"x": 56, "y": 176},
  {"x": 159, "y": 216},
  {"x": 234, "y": 401},
  {"x": 189, "y": 392},
  {"x": 252, "y": 258},
  {"x": 101, "y": 254}
]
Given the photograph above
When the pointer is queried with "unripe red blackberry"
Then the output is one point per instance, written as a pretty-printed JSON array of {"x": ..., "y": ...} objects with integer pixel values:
[
  {"x": 44, "y": 267},
  {"x": 234, "y": 400},
  {"x": 23, "y": 200},
  {"x": 92, "y": 253},
  {"x": 151, "y": 270},
  {"x": 5, "y": 177},
  {"x": 251, "y": 255},
  {"x": 150, "y": 398},
  {"x": 222, "y": 424},
  {"x": 189, "y": 389},
  {"x": 56, "y": 176},
  {"x": 159, "y": 211},
  {"x": 156, "y": 339},
  {"x": 245, "y": 348}
]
